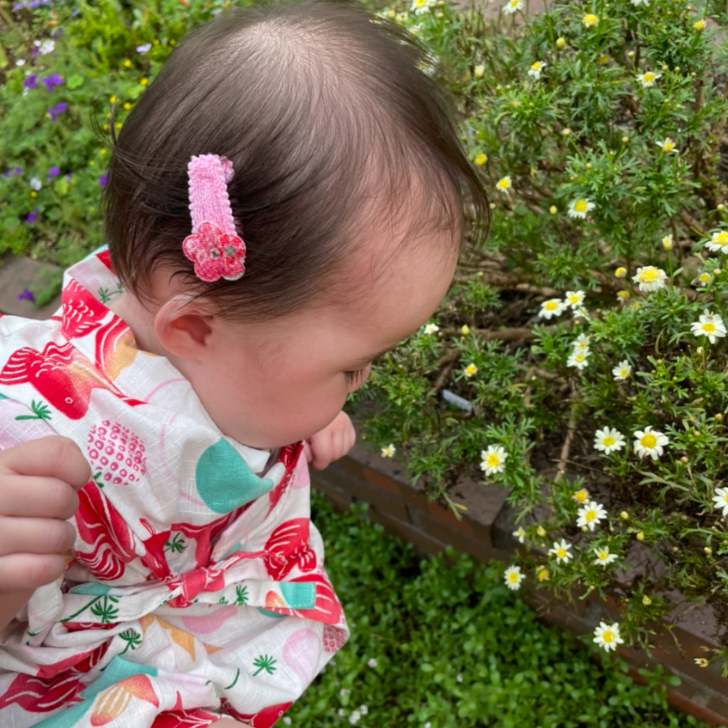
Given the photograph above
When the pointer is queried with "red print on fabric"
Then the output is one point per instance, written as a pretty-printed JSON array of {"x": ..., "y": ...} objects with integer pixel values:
[
  {"x": 262, "y": 719},
  {"x": 82, "y": 313},
  {"x": 79, "y": 664},
  {"x": 39, "y": 695},
  {"x": 288, "y": 547},
  {"x": 186, "y": 719},
  {"x": 101, "y": 527},
  {"x": 61, "y": 375}
]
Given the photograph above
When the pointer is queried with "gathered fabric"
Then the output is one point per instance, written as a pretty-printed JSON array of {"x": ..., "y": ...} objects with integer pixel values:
[{"x": 196, "y": 587}]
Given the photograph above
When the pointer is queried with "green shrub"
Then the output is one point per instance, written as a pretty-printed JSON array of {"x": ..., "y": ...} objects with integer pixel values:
[{"x": 598, "y": 127}]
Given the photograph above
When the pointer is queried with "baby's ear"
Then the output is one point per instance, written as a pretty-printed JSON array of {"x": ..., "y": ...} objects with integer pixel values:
[{"x": 182, "y": 327}]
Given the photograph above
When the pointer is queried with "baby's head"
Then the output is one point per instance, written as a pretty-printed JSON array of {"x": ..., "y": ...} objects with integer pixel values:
[{"x": 348, "y": 190}]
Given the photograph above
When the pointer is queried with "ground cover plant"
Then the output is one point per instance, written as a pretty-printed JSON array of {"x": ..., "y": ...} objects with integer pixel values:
[
  {"x": 580, "y": 358},
  {"x": 443, "y": 643}
]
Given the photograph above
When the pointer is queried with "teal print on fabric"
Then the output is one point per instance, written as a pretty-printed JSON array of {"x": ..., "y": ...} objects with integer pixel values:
[
  {"x": 299, "y": 595},
  {"x": 224, "y": 481},
  {"x": 273, "y": 615}
]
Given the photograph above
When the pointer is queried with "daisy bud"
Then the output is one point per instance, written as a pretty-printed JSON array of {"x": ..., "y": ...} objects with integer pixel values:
[
  {"x": 561, "y": 42},
  {"x": 675, "y": 549},
  {"x": 646, "y": 601},
  {"x": 624, "y": 515},
  {"x": 623, "y": 295},
  {"x": 718, "y": 417},
  {"x": 708, "y": 550},
  {"x": 481, "y": 159},
  {"x": 553, "y": 209},
  {"x": 630, "y": 54},
  {"x": 620, "y": 272},
  {"x": 492, "y": 205},
  {"x": 625, "y": 139},
  {"x": 717, "y": 272},
  {"x": 700, "y": 351},
  {"x": 588, "y": 165},
  {"x": 640, "y": 536},
  {"x": 479, "y": 71},
  {"x": 701, "y": 662},
  {"x": 465, "y": 330},
  {"x": 684, "y": 460},
  {"x": 721, "y": 206},
  {"x": 585, "y": 529},
  {"x": 541, "y": 531},
  {"x": 565, "y": 132}
]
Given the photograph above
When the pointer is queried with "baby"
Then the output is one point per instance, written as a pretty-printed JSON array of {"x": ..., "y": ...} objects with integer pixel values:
[{"x": 284, "y": 204}]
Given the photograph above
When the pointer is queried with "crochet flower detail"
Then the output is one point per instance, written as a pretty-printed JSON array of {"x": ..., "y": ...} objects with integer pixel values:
[{"x": 216, "y": 254}]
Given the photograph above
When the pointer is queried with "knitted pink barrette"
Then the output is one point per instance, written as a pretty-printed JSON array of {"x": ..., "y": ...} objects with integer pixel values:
[{"x": 214, "y": 246}]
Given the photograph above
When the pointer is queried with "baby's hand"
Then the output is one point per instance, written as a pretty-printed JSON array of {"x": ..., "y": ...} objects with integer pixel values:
[
  {"x": 38, "y": 483},
  {"x": 331, "y": 443}
]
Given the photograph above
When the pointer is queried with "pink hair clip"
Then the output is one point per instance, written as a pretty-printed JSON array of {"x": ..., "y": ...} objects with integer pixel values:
[{"x": 214, "y": 246}]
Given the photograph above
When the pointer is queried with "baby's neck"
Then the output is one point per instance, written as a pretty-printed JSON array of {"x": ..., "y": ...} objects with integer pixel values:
[{"x": 140, "y": 320}]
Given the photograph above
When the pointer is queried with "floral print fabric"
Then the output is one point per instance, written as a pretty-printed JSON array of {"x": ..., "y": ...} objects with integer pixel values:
[{"x": 196, "y": 587}]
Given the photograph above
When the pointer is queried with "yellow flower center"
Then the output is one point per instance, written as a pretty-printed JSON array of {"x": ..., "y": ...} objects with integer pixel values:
[
  {"x": 704, "y": 277},
  {"x": 590, "y": 19},
  {"x": 574, "y": 299},
  {"x": 721, "y": 238},
  {"x": 581, "y": 495},
  {"x": 536, "y": 66},
  {"x": 493, "y": 460},
  {"x": 649, "y": 275},
  {"x": 513, "y": 577},
  {"x": 709, "y": 327},
  {"x": 649, "y": 441},
  {"x": 504, "y": 183},
  {"x": 514, "y": 4},
  {"x": 726, "y": 497},
  {"x": 590, "y": 515},
  {"x": 543, "y": 575},
  {"x": 667, "y": 146},
  {"x": 609, "y": 440},
  {"x": 580, "y": 206},
  {"x": 603, "y": 555},
  {"x": 608, "y": 636},
  {"x": 561, "y": 553},
  {"x": 648, "y": 77},
  {"x": 551, "y": 305}
]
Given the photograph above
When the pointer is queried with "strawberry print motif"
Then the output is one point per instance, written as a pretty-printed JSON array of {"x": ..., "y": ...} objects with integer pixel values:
[
  {"x": 116, "y": 453},
  {"x": 334, "y": 639},
  {"x": 41, "y": 695}
]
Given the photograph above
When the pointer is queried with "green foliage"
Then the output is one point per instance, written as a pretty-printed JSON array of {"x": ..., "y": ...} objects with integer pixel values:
[
  {"x": 443, "y": 642},
  {"x": 597, "y": 127}
]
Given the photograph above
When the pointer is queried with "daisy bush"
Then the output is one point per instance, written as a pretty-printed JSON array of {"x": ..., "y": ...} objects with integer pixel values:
[{"x": 580, "y": 357}]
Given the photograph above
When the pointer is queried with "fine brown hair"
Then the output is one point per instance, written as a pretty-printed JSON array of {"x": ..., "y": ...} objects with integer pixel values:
[{"x": 330, "y": 124}]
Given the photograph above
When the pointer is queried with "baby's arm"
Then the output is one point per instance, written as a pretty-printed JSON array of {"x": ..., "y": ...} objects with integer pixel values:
[
  {"x": 38, "y": 483},
  {"x": 331, "y": 443}
]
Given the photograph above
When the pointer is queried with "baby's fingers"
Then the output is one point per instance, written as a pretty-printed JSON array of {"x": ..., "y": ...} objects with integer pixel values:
[
  {"x": 35, "y": 536},
  {"x": 22, "y": 572},
  {"x": 28, "y": 495},
  {"x": 52, "y": 456}
]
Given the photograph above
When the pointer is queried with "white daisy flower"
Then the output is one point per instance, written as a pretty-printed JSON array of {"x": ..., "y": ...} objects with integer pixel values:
[
  {"x": 35, "y": 183},
  {"x": 574, "y": 299},
  {"x": 608, "y": 440},
  {"x": 513, "y": 577},
  {"x": 431, "y": 329},
  {"x": 648, "y": 78},
  {"x": 512, "y": 6},
  {"x": 640, "y": 2},
  {"x": 493, "y": 460},
  {"x": 504, "y": 184},
  {"x": 580, "y": 208},
  {"x": 604, "y": 558},
  {"x": 590, "y": 515},
  {"x": 419, "y": 7},
  {"x": 650, "y": 442},
  {"x": 721, "y": 499},
  {"x": 668, "y": 146},
  {"x": 703, "y": 279},
  {"x": 520, "y": 534},
  {"x": 578, "y": 359},
  {"x": 581, "y": 343},
  {"x": 355, "y": 717},
  {"x": 650, "y": 278},
  {"x": 581, "y": 495},
  {"x": 607, "y": 636},
  {"x": 470, "y": 370},
  {"x": 535, "y": 70},
  {"x": 388, "y": 451},
  {"x": 46, "y": 47},
  {"x": 718, "y": 242},
  {"x": 622, "y": 370},
  {"x": 710, "y": 325},
  {"x": 552, "y": 307},
  {"x": 561, "y": 551}
]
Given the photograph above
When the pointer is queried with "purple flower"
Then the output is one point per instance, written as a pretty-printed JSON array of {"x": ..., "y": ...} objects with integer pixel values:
[
  {"x": 103, "y": 180},
  {"x": 32, "y": 217},
  {"x": 26, "y": 295},
  {"x": 57, "y": 34},
  {"x": 55, "y": 111},
  {"x": 53, "y": 172},
  {"x": 31, "y": 81},
  {"x": 52, "y": 81},
  {"x": 69, "y": 175},
  {"x": 143, "y": 48},
  {"x": 18, "y": 170}
]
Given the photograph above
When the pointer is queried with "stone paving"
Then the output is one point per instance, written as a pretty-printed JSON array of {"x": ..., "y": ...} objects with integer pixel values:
[{"x": 17, "y": 274}]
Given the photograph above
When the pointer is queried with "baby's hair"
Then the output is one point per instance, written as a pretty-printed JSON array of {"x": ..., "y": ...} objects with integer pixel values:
[{"x": 332, "y": 128}]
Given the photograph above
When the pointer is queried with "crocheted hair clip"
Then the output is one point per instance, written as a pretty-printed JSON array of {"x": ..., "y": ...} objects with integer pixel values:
[{"x": 214, "y": 246}]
